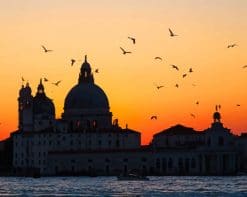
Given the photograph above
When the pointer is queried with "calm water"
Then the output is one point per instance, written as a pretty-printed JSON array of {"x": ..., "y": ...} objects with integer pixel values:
[{"x": 109, "y": 186}]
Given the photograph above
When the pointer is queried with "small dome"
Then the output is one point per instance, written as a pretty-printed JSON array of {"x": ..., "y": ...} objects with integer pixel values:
[
  {"x": 86, "y": 96},
  {"x": 43, "y": 105}
]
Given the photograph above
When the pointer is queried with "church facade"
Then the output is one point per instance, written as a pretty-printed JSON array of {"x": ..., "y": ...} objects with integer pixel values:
[{"x": 85, "y": 141}]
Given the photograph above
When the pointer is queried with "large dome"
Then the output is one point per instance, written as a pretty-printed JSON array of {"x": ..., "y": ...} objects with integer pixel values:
[{"x": 86, "y": 96}]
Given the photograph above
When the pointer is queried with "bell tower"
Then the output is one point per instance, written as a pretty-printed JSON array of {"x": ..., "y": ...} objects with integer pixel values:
[{"x": 25, "y": 108}]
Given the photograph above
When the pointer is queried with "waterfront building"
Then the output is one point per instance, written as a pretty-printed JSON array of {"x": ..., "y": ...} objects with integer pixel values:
[{"x": 86, "y": 141}]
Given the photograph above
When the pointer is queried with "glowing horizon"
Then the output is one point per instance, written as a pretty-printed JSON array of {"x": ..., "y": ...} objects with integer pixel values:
[{"x": 99, "y": 28}]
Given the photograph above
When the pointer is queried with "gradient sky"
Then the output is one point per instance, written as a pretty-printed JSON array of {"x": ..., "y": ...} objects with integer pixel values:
[{"x": 99, "y": 27}]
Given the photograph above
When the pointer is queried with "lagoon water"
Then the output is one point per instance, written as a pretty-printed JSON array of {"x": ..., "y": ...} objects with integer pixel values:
[{"x": 172, "y": 186}]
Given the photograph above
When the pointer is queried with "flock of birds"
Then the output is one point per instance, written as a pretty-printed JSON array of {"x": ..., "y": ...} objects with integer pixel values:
[
  {"x": 158, "y": 58},
  {"x": 172, "y": 34}
]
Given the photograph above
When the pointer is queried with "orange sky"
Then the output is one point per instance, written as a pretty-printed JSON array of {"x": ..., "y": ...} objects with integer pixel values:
[{"x": 99, "y": 27}]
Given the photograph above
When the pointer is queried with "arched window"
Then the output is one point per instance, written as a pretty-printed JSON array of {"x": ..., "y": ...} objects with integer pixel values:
[{"x": 94, "y": 123}]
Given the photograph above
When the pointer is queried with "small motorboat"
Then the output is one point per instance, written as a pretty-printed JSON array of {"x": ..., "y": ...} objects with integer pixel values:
[{"x": 132, "y": 177}]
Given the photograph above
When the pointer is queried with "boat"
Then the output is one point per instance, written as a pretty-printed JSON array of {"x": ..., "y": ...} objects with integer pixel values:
[{"x": 132, "y": 177}]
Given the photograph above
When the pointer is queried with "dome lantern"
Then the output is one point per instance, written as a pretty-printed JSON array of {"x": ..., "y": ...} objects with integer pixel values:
[{"x": 85, "y": 75}]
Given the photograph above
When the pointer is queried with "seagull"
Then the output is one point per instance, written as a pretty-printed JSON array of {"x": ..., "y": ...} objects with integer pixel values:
[
  {"x": 184, "y": 75},
  {"x": 158, "y": 87},
  {"x": 45, "y": 49},
  {"x": 176, "y": 85},
  {"x": 133, "y": 39},
  {"x": 245, "y": 66},
  {"x": 153, "y": 118},
  {"x": 193, "y": 115},
  {"x": 45, "y": 79},
  {"x": 190, "y": 70},
  {"x": 238, "y": 105},
  {"x": 158, "y": 58},
  {"x": 22, "y": 78},
  {"x": 124, "y": 52},
  {"x": 56, "y": 83},
  {"x": 174, "y": 66},
  {"x": 72, "y": 61},
  {"x": 197, "y": 102},
  {"x": 171, "y": 33},
  {"x": 232, "y": 45},
  {"x": 96, "y": 70}
]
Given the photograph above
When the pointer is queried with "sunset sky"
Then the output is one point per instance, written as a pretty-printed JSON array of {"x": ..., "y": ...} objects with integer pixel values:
[{"x": 99, "y": 27}]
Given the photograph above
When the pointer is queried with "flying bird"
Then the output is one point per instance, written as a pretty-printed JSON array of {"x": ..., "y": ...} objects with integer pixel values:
[
  {"x": 231, "y": 45},
  {"x": 133, "y": 39},
  {"x": 190, "y": 70},
  {"x": 72, "y": 62},
  {"x": 45, "y": 49},
  {"x": 174, "y": 66},
  {"x": 158, "y": 87},
  {"x": 57, "y": 83},
  {"x": 238, "y": 105},
  {"x": 245, "y": 66},
  {"x": 176, "y": 85},
  {"x": 124, "y": 52},
  {"x": 158, "y": 58},
  {"x": 171, "y": 33},
  {"x": 193, "y": 115},
  {"x": 45, "y": 79},
  {"x": 197, "y": 102},
  {"x": 153, "y": 118},
  {"x": 22, "y": 78},
  {"x": 184, "y": 75},
  {"x": 96, "y": 70}
]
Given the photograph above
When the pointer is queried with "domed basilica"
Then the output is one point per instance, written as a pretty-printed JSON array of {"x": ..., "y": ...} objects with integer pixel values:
[
  {"x": 86, "y": 142},
  {"x": 86, "y": 106}
]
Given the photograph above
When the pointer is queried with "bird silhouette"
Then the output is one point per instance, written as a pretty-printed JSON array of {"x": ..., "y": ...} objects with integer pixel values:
[
  {"x": 231, "y": 45},
  {"x": 184, "y": 75},
  {"x": 57, "y": 83},
  {"x": 171, "y": 33},
  {"x": 72, "y": 62},
  {"x": 176, "y": 85},
  {"x": 153, "y": 117},
  {"x": 45, "y": 49},
  {"x": 174, "y": 66},
  {"x": 45, "y": 79},
  {"x": 158, "y": 58},
  {"x": 193, "y": 115},
  {"x": 197, "y": 102},
  {"x": 96, "y": 70},
  {"x": 158, "y": 87},
  {"x": 124, "y": 52},
  {"x": 133, "y": 39},
  {"x": 190, "y": 70},
  {"x": 245, "y": 66},
  {"x": 22, "y": 78},
  {"x": 238, "y": 105}
]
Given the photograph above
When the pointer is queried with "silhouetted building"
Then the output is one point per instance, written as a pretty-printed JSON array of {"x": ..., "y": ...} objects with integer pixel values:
[{"x": 85, "y": 141}]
